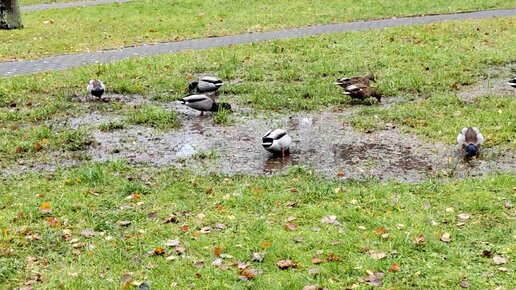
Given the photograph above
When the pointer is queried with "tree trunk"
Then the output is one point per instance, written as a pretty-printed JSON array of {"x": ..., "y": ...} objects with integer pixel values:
[{"x": 10, "y": 17}]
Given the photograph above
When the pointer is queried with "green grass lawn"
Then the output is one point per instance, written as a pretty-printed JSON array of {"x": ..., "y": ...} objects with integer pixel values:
[
  {"x": 75, "y": 30},
  {"x": 419, "y": 63},
  {"x": 66, "y": 230}
]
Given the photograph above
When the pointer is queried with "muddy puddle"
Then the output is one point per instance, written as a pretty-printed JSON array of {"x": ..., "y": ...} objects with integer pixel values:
[
  {"x": 494, "y": 82},
  {"x": 322, "y": 141}
]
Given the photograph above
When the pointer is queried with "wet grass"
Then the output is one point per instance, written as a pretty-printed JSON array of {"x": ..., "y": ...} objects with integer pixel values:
[
  {"x": 61, "y": 31},
  {"x": 419, "y": 63},
  {"x": 153, "y": 116},
  {"x": 43, "y": 216}
]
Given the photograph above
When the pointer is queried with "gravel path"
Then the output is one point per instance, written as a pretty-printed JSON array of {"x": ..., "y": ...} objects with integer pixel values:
[
  {"x": 65, "y": 61},
  {"x": 38, "y": 7}
]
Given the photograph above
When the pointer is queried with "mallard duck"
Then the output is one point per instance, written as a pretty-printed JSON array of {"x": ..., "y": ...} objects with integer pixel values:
[
  {"x": 470, "y": 141},
  {"x": 276, "y": 141},
  {"x": 512, "y": 83},
  {"x": 96, "y": 88},
  {"x": 362, "y": 91},
  {"x": 205, "y": 85},
  {"x": 345, "y": 82},
  {"x": 204, "y": 103}
]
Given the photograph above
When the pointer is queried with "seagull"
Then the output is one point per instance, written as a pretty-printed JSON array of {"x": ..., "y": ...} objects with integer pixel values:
[
  {"x": 96, "y": 88},
  {"x": 276, "y": 141},
  {"x": 512, "y": 83},
  {"x": 205, "y": 85},
  {"x": 362, "y": 91},
  {"x": 204, "y": 103},
  {"x": 470, "y": 141},
  {"x": 348, "y": 81}
]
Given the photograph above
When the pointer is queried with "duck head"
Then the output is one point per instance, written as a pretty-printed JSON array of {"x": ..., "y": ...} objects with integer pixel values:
[
  {"x": 192, "y": 86},
  {"x": 377, "y": 95},
  {"x": 471, "y": 150}
]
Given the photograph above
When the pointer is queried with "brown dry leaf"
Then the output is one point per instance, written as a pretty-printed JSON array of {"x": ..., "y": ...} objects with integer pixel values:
[
  {"x": 285, "y": 264},
  {"x": 373, "y": 279},
  {"x": 256, "y": 257},
  {"x": 180, "y": 250},
  {"x": 266, "y": 244},
  {"x": 126, "y": 279},
  {"x": 394, "y": 267},
  {"x": 76, "y": 252},
  {"x": 330, "y": 219},
  {"x": 248, "y": 273},
  {"x": 53, "y": 222},
  {"x": 45, "y": 207},
  {"x": 316, "y": 260},
  {"x": 487, "y": 253},
  {"x": 341, "y": 174},
  {"x": 419, "y": 240},
  {"x": 381, "y": 230},
  {"x": 185, "y": 228},
  {"x": 173, "y": 243},
  {"x": 38, "y": 146},
  {"x": 454, "y": 86},
  {"x": 332, "y": 257},
  {"x": 446, "y": 237},
  {"x": 18, "y": 149},
  {"x": 498, "y": 260},
  {"x": 217, "y": 251},
  {"x": 159, "y": 251},
  {"x": 78, "y": 245},
  {"x": 427, "y": 205},
  {"x": 290, "y": 227}
]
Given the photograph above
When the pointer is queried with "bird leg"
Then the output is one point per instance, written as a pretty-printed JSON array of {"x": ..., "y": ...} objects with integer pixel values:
[
  {"x": 282, "y": 153},
  {"x": 202, "y": 113}
]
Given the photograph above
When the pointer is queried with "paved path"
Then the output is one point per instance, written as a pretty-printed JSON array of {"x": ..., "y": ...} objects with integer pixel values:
[
  {"x": 68, "y": 5},
  {"x": 65, "y": 61}
]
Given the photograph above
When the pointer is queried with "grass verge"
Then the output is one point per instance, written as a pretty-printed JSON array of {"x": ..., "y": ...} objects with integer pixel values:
[{"x": 91, "y": 226}]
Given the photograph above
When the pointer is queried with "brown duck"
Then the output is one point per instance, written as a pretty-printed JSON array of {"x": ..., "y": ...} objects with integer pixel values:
[
  {"x": 345, "y": 82},
  {"x": 362, "y": 91}
]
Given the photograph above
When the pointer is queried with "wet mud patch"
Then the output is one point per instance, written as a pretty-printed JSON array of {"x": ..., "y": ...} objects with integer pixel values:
[{"x": 493, "y": 83}]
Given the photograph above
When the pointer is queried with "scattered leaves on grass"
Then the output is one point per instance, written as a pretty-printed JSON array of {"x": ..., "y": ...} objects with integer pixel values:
[
  {"x": 247, "y": 274},
  {"x": 45, "y": 207},
  {"x": 217, "y": 262},
  {"x": 93, "y": 193},
  {"x": 381, "y": 230},
  {"x": 316, "y": 260},
  {"x": 53, "y": 222},
  {"x": 299, "y": 240},
  {"x": 185, "y": 228},
  {"x": 487, "y": 253},
  {"x": 314, "y": 271},
  {"x": 291, "y": 218},
  {"x": 256, "y": 257},
  {"x": 290, "y": 227},
  {"x": 498, "y": 260},
  {"x": 502, "y": 269},
  {"x": 217, "y": 251},
  {"x": 152, "y": 215},
  {"x": 446, "y": 237},
  {"x": 180, "y": 250},
  {"x": 266, "y": 244},
  {"x": 171, "y": 219},
  {"x": 170, "y": 258},
  {"x": 419, "y": 240},
  {"x": 507, "y": 204},
  {"x": 463, "y": 216},
  {"x": 220, "y": 226},
  {"x": 173, "y": 243},
  {"x": 313, "y": 287},
  {"x": 449, "y": 209},
  {"x": 126, "y": 281},
  {"x": 394, "y": 267},
  {"x": 205, "y": 230},
  {"x": 331, "y": 220},
  {"x": 198, "y": 263}
]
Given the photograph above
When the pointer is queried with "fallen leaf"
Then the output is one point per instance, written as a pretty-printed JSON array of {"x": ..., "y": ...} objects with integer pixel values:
[
  {"x": 198, "y": 263},
  {"x": 381, "y": 230},
  {"x": 377, "y": 255},
  {"x": 290, "y": 227},
  {"x": 373, "y": 279},
  {"x": 152, "y": 215},
  {"x": 502, "y": 269},
  {"x": 332, "y": 257},
  {"x": 394, "y": 267},
  {"x": 159, "y": 251},
  {"x": 291, "y": 218},
  {"x": 331, "y": 219},
  {"x": 454, "y": 86},
  {"x": 88, "y": 233},
  {"x": 427, "y": 205},
  {"x": 78, "y": 245},
  {"x": 171, "y": 219},
  {"x": 248, "y": 273},
  {"x": 419, "y": 240},
  {"x": 450, "y": 209},
  {"x": 170, "y": 258},
  {"x": 217, "y": 251},
  {"x": 446, "y": 237},
  {"x": 53, "y": 222},
  {"x": 498, "y": 260},
  {"x": 316, "y": 260},
  {"x": 185, "y": 228},
  {"x": 464, "y": 283},
  {"x": 341, "y": 174},
  {"x": 285, "y": 264},
  {"x": 180, "y": 250},
  {"x": 173, "y": 243},
  {"x": 266, "y": 244},
  {"x": 220, "y": 226},
  {"x": 400, "y": 226},
  {"x": 256, "y": 257},
  {"x": 205, "y": 230},
  {"x": 299, "y": 240},
  {"x": 313, "y": 287},
  {"x": 93, "y": 193},
  {"x": 217, "y": 262},
  {"x": 487, "y": 253},
  {"x": 463, "y": 216},
  {"x": 507, "y": 204},
  {"x": 45, "y": 207},
  {"x": 38, "y": 146},
  {"x": 123, "y": 223},
  {"x": 362, "y": 228}
]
